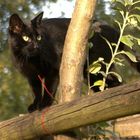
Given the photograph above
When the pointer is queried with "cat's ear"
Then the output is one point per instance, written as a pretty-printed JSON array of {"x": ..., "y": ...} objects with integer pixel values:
[
  {"x": 37, "y": 20},
  {"x": 15, "y": 24}
]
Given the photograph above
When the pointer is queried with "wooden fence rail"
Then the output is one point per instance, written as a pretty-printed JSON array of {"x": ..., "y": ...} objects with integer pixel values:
[{"x": 110, "y": 104}]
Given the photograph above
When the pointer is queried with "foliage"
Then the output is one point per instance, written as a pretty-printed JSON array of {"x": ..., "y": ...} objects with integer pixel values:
[
  {"x": 128, "y": 11},
  {"x": 14, "y": 96},
  {"x": 97, "y": 131},
  {"x": 127, "y": 20}
]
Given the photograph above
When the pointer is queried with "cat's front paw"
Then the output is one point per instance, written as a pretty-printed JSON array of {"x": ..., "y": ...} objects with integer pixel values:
[
  {"x": 32, "y": 108},
  {"x": 41, "y": 106}
]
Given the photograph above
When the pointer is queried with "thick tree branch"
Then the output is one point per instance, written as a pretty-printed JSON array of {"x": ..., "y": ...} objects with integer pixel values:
[
  {"x": 110, "y": 104},
  {"x": 74, "y": 52}
]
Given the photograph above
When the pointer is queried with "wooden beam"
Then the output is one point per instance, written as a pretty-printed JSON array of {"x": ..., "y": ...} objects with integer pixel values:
[
  {"x": 110, "y": 104},
  {"x": 128, "y": 126}
]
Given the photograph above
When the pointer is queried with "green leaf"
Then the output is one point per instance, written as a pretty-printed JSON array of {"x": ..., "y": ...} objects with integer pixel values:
[
  {"x": 91, "y": 34},
  {"x": 136, "y": 4},
  {"x": 116, "y": 75},
  {"x": 127, "y": 40},
  {"x": 100, "y": 59},
  {"x": 114, "y": 44},
  {"x": 132, "y": 32},
  {"x": 100, "y": 132},
  {"x": 104, "y": 124},
  {"x": 133, "y": 21},
  {"x": 131, "y": 56},
  {"x": 119, "y": 5},
  {"x": 90, "y": 45},
  {"x": 136, "y": 16},
  {"x": 138, "y": 41},
  {"x": 118, "y": 61},
  {"x": 128, "y": 2},
  {"x": 94, "y": 68},
  {"x": 98, "y": 83}
]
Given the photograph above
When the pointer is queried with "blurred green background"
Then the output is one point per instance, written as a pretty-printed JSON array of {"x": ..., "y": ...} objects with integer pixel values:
[{"x": 15, "y": 93}]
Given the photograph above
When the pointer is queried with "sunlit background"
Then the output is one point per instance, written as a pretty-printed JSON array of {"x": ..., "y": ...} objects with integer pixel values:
[{"x": 62, "y": 8}]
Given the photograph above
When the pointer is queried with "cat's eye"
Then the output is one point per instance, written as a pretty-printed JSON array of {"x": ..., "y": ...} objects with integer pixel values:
[
  {"x": 26, "y": 38},
  {"x": 39, "y": 37}
]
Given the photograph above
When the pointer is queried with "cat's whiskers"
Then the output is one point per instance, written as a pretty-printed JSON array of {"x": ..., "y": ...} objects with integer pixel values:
[
  {"x": 22, "y": 59},
  {"x": 26, "y": 58}
]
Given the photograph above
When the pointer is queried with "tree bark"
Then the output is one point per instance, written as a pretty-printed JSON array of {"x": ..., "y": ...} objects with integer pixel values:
[
  {"x": 110, "y": 104},
  {"x": 74, "y": 52}
]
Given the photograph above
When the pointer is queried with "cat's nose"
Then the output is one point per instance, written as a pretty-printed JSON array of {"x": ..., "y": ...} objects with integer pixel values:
[{"x": 36, "y": 46}]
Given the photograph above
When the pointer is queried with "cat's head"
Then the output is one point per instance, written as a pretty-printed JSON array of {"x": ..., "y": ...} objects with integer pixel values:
[{"x": 25, "y": 38}]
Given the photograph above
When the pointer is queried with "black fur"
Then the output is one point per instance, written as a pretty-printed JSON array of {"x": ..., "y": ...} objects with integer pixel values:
[{"x": 43, "y": 56}]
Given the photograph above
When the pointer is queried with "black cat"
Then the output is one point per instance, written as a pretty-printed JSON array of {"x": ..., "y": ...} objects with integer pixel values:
[{"x": 37, "y": 48}]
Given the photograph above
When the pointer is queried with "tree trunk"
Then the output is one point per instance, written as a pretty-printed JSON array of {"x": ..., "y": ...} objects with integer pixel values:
[{"x": 74, "y": 53}]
